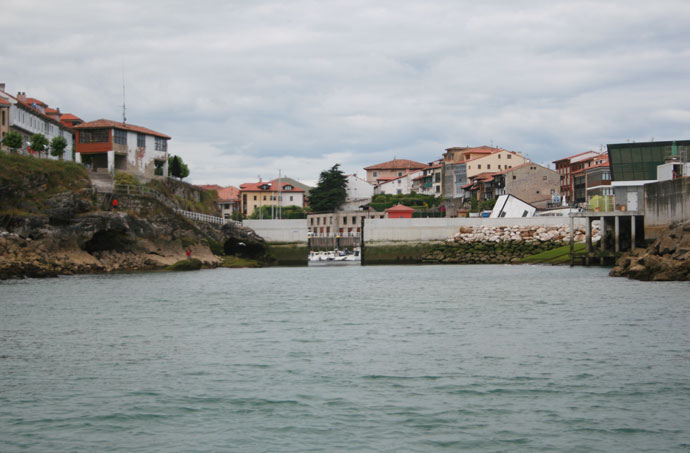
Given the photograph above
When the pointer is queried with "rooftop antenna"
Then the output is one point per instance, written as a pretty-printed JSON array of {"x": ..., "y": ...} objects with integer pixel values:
[{"x": 124, "y": 108}]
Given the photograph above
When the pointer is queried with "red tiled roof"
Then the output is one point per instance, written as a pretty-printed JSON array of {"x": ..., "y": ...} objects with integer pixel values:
[
  {"x": 69, "y": 117},
  {"x": 30, "y": 101},
  {"x": 229, "y": 193},
  {"x": 400, "y": 208},
  {"x": 273, "y": 187},
  {"x": 576, "y": 155},
  {"x": 117, "y": 125},
  {"x": 4, "y": 101},
  {"x": 584, "y": 170},
  {"x": 397, "y": 164}
]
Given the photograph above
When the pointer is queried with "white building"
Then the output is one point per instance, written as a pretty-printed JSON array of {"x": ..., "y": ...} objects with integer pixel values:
[
  {"x": 401, "y": 185},
  {"x": 511, "y": 206},
  {"x": 111, "y": 145},
  {"x": 29, "y": 116}
]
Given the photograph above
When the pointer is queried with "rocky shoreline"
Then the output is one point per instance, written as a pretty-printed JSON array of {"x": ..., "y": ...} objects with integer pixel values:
[
  {"x": 667, "y": 259},
  {"x": 75, "y": 238}
]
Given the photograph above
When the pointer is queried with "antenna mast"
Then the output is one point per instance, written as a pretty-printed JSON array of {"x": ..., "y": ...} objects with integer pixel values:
[{"x": 124, "y": 109}]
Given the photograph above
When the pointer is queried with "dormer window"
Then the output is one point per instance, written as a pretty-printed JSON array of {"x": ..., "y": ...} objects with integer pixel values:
[
  {"x": 265, "y": 186},
  {"x": 287, "y": 187}
]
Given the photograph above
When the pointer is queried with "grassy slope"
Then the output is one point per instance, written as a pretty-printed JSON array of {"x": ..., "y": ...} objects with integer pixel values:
[
  {"x": 560, "y": 255},
  {"x": 27, "y": 182}
]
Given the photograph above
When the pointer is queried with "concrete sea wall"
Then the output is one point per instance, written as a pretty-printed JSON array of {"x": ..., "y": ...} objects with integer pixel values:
[
  {"x": 406, "y": 230},
  {"x": 665, "y": 202}
]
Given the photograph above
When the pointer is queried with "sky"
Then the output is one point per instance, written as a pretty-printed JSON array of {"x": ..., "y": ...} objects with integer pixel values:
[{"x": 248, "y": 89}]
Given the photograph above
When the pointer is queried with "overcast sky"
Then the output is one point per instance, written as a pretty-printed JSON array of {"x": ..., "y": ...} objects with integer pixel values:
[{"x": 246, "y": 88}]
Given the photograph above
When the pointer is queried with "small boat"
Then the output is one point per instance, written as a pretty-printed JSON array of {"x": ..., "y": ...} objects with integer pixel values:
[{"x": 335, "y": 257}]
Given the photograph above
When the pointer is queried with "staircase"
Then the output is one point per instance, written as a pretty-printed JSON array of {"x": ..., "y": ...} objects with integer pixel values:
[{"x": 102, "y": 182}]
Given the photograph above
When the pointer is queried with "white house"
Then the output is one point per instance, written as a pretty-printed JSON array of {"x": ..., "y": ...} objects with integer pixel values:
[
  {"x": 400, "y": 185},
  {"x": 29, "y": 116},
  {"x": 111, "y": 145}
]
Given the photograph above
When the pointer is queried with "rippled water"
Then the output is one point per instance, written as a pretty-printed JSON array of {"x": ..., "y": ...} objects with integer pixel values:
[{"x": 413, "y": 358}]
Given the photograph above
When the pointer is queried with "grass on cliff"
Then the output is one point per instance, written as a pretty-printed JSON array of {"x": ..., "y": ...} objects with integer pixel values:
[
  {"x": 26, "y": 182},
  {"x": 559, "y": 255},
  {"x": 186, "y": 195}
]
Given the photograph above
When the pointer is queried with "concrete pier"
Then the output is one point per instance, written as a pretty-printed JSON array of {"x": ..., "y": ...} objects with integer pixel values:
[{"x": 620, "y": 231}]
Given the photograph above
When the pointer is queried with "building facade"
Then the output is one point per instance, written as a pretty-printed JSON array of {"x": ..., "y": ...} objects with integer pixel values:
[
  {"x": 106, "y": 146},
  {"x": 392, "y": 169},
  {"x": 401, "y": 185},
  {"x": 29, "y": 116},
  {"x": 278, "y": 194},
  {"x": 341, "y": 223}
]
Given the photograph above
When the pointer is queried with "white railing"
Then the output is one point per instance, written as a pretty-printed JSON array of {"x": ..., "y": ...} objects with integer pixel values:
[
  {"x": 148, "y": 192},
  {"x": 205, "y": 217}
]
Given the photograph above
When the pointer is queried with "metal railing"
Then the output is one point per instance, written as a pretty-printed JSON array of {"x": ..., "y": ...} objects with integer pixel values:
[{"x": 205, "y": 217}]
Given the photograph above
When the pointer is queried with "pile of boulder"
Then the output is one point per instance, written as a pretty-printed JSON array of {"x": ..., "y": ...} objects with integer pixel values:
[
  {"x": 560, "y": 233},
  {"x": 667, "y": 259}
]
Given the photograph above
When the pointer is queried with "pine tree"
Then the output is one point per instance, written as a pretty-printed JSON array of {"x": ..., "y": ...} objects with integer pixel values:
[{"x": 330, "y": 192}]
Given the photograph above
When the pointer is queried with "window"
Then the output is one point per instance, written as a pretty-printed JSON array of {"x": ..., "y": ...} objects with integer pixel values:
[
  {"x": 479, "y": 166},
  {"x": 499, "y": 166},
  {"x": 254, "y": 197},
  {"x": 287, "y": 187},
  {"x": 3, "y": 117},
  {"x": 499, "y": 156},
  {"x": 290, "y": 197},
  {"x": 509, "y": 156},
  {"x": 524, "y": 213},
  {"x": 161, "y": 144},
  {"x": 141, "y": 140},
  {"x": 375, "y": 174},
  {"x": 399, "y": 191},
  {"x": 318, "y": 220},
  {"x": 264, "y": 197},
  {"x": 488, "y": 166},
  {"x": 120, "y": 136},
  {"x": 311, "y": 221},
  {"x": 354, "y": 220},
  {"x": 344, "y": 220},
  {"x": 94, "y": 136},
  {"x": 399, "y": 173},
  {"x": 514, "y": 177}
]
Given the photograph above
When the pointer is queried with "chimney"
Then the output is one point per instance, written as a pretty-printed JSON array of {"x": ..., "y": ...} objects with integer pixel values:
[
  {"x": 21, "y": 96},
  {"x": 2, "y": 86}
]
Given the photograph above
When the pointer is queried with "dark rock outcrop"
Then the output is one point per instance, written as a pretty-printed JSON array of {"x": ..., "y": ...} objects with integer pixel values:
[
  {"x": 668, "y": 258},
  {"x": 69, "y": 238}
]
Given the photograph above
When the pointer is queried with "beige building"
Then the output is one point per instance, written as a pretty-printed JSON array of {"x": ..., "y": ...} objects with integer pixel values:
[{"x": 529, "y": 182}]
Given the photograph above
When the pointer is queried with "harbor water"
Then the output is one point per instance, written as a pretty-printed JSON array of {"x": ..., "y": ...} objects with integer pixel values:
[{"x": 375, "y": 358}]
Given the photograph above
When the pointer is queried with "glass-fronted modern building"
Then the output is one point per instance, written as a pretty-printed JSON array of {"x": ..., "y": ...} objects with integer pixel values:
[{"x": 638, "y": 161}]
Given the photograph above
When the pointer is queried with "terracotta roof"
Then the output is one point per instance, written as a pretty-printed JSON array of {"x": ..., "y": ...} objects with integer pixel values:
[
  {"x": 467, "y": 186},
  {"x": 584, "y": 170},
  {"x": 4, "y": 101},
  {"x": 399, "y": 208},
  {"x": 118, "y": 125},
  {"x": 576, "y": 156},
  {"x": 229, "y": 193},
  {"x": 30, "y": 101},
  {"x": 69, "y": 116},
  {"x": 397, "y": 164},
  {"x": 273, "y": 187}
]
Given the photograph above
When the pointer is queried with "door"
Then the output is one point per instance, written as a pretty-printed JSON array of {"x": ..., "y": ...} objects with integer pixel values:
[{"x": 632, "y": 201}]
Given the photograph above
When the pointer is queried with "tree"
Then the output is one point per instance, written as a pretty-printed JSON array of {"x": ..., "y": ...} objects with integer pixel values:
[
  {"x": 39, "y": 143},
  {"x": 330, "y": 192},
  {"x": 13, "y": 140},
  {"x": 179, "y": 169},
  {"x": 57, "y": 146}
]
